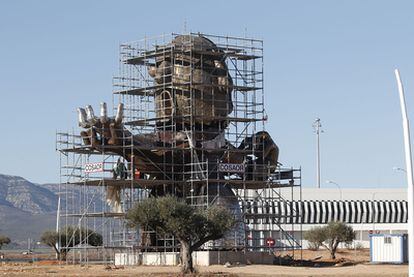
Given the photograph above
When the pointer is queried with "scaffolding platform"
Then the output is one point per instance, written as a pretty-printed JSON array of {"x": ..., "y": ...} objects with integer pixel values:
[
  {"x": 191, "y": 102},
  {"x": 150, "y": 91}
]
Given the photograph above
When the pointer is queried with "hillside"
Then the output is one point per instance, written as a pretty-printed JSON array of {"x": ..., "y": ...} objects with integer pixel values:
[
  {"x": 27, "y": 197},
  {"x": 26, "y": 209}
]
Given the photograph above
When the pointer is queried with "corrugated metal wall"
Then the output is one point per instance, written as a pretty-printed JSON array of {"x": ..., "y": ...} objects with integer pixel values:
[{"x": 322, "y": 212}]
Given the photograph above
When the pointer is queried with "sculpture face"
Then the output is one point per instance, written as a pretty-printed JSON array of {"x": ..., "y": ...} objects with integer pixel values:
[{"x": 197, "y": 84}]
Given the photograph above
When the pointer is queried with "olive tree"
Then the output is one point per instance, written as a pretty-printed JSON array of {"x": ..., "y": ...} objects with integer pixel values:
[
  {"x": 330, "y": 236},
  {"x": 314, "y": 237},
  {"x": 191, "y": 226},
  {"x": 69, "y": 236},
  {"x": 4, "y": 240}
]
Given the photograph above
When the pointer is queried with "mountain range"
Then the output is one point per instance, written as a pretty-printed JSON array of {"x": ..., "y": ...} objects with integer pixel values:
[{"x": 26, "y": 209}]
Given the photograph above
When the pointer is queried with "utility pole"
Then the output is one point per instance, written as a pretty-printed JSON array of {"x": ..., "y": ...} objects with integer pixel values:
[
  {"x": 317, "y": 126},
  {"x": 57, "y": 245}
]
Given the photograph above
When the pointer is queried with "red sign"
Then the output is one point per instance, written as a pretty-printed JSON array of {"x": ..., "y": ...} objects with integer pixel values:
[{"x": 270, "y": 242}]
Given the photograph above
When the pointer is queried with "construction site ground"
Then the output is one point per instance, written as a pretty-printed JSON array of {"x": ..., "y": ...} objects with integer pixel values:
[{"x": 316, "y": 263}]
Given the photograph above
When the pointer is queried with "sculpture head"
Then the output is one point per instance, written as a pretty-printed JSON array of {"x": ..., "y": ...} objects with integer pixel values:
[{"x": 193, "y": 79}]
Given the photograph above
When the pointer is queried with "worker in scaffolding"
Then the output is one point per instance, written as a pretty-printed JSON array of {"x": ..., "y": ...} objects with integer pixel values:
[{"x": 120, "y": 170}]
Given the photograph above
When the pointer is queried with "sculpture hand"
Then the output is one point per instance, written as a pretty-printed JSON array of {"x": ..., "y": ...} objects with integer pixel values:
[{"x": 103, "y": 130}]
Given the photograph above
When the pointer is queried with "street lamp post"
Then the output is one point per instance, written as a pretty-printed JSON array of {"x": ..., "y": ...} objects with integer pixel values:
[
  {"x": 336, "y": 184},
  {"x": 372, "y": 214},
  {"x": 317, "y": 126},
  {"x": 409, "y": 171}
]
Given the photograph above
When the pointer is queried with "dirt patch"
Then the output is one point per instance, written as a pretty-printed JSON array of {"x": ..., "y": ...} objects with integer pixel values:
[
  {"x": 361, "y": 270},
  {"x": 314, "y": 263},
  {"x": 358, "y": 256},
  {"x": 321, "y": 258},
  {"x": 48, "y": 262}
]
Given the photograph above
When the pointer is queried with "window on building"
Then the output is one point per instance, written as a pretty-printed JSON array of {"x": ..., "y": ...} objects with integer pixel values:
[{"x": 387, "y": 240}]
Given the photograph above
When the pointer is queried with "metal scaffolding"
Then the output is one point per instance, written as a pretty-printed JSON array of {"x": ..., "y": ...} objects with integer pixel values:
[{"x": 194, "y": 126}]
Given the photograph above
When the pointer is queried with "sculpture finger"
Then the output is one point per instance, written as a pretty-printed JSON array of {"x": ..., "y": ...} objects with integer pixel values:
[
  {"x": 90, "y": 115},
  {"x": 119, "y": 113},
  {"x": 104, "y": 113},
  {"x": 82, "y": 118},
  {"x": 113, "y": 140}
]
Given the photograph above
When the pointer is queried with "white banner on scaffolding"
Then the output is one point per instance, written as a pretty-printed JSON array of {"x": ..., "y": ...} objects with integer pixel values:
[
  {"x": 235, "y": 168},
  {"x": 94, "y": 167}
]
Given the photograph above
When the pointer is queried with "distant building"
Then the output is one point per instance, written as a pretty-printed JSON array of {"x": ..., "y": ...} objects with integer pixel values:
[{"x": 368, "y": 211}]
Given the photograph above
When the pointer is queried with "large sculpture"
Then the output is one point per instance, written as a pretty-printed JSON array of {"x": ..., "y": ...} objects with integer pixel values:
[{"x": 193, "y": 100}]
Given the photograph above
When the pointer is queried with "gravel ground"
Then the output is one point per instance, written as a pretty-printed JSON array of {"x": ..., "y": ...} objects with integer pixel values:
[
  {"x": 46, "y": 266},
  {"x": 216, "y": 270}
]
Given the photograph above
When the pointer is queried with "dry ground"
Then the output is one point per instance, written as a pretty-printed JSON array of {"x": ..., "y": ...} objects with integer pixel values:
[
  {"x": 356, "y": 256},
  {"x": 249, "y": 270},
  {"x": 360, "y": 257}
]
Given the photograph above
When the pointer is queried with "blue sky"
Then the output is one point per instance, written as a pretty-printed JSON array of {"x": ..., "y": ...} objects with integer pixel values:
[{"x": 327, "y": 59}]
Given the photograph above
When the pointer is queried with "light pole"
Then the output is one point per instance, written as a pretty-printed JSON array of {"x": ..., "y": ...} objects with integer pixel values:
[
  {"x": 336, "y": 184},
  {"x": 409, "y": 171},
  {"x": 57, "y": 245},
  {"x": 372, "y": 215},
  {"x": 317, "y": 127}
]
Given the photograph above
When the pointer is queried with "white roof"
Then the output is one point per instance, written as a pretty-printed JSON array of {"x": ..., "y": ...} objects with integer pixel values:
[
  {"x": 348, "y": 194},
  {"x": 351, "y": 194}
]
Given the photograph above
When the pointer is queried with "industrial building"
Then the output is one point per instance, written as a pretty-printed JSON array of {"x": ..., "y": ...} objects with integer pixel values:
[{"x": 367, "y": 210}]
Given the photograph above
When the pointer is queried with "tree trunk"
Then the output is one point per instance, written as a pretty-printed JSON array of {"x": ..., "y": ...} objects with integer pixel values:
[
  {"x": 63, "y": 254},
  {"x": 186, "y": 258},
  {"x": 333, "y": 249},
  {"x": 333, "y": 254},
  {"x": 57, "y": 251}
]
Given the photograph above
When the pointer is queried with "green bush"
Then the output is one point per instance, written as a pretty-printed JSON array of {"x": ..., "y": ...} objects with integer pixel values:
[
  {"x": 70, "y": 236},
  {"x": 4, "y": 240},
  {"x": 330, "y": 236},
  {"x": 191, "y": 226}
]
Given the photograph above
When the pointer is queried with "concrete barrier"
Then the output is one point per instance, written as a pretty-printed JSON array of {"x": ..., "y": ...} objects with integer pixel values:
[
  {"x": 126, "y": 259},
  {"x": 160, "y": 258},
  {"x": 200, "y": 258}
]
